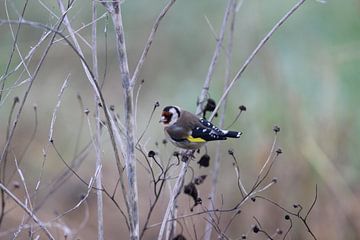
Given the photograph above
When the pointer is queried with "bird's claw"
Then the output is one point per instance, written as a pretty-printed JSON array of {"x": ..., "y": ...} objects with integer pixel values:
[{"x": 187, "y": 154}]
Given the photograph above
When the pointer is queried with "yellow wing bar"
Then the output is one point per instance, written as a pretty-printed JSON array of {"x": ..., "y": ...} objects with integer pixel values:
[{"x": 195, "y": 140}]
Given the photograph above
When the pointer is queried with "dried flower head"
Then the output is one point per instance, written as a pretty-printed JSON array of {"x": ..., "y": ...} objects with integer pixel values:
[
  {"x": 151, "y": 154},
  {"x": 204, "y": 160},
  {"x": 191, "y": 190},
  {"x": 276, "y": 129},
  {"x": 199, "y": 180},
  {"x": 242, "y": 108},
  {"x": 179, "y": 237}
]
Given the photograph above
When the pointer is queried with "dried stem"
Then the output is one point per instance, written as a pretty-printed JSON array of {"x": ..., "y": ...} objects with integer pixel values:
[
  {"x": 13, "y": 47},
  {"x": 216, "y": 166},
  {"x": 132, "y": 195},
  {"x": 206, "y": 86},
  {"x": 253, "y": 54},
  {"x": 27, "y": 91},
  {"x": 97, "y": 143},
  {"x": 150, "y": 41},
  {"x": 174, "y": 194},
  {"x": 27, "y": 210},
  {"x": 90, "y": 75}
]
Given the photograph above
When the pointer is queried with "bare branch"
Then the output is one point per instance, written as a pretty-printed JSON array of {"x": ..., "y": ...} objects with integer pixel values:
[
  {"x": 27, "y": 91},
  {"x": 28, "y": 211},
  {"x": 216, "y": 167},
  {"x": 97, "y": 143},
  {"x": 53, "y": 119},
  {"x": 174, "y": 194},
  {"x": 150, "y": 41},
  {"x": 130, "y": 161},
  {"x": 253, "y": 54},
  {"x": 214, "y": 59},
  {"x": 14, "y": 46}
]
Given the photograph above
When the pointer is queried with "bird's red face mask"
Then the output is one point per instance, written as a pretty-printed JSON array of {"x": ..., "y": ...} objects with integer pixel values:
[{"x": 165, "y": 117}]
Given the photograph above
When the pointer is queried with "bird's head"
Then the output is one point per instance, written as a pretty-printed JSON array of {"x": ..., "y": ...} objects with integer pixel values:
[{"x": 170, "y": 115}]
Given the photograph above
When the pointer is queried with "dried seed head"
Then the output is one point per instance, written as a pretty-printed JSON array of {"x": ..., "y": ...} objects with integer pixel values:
[
  {"x": 184, "y": 157},
  {"x": 16, "y": 184},
  {"x": 179, "y": 237},
  {"x": 191, "y": 190},
  {"x": 242, "y": 108},
  {"x": 151, "y": 154},
  {"x": 210, "y": 105},
  {"x": 199, "y": 180},
  {"x": 204, "y": 160},
  {"x": 276, "y": 129}
]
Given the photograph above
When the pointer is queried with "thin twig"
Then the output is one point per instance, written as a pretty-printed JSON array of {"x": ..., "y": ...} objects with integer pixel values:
[
  {"x": 56, "y": 109},
  {"x": 253, "y": 54},
  {"x": 22, "y": 178},
  {"x": 33, "y": 77},
  {"x": 27, "y": 210},
  {"x": 97, "y": 143},
  {"x": 214, "y": 59},
  {"x": 313, "y": 203},
  {"x": 13, "y": 47},
  {"x": 90, "y": 75},
  {"x": 150, "y": 41},
  {"x": 130, "y": 160},
  {"x": 216, "y": 166},
  {"x": 83, "y": 198},
  {"x": 174, "y": 194}
]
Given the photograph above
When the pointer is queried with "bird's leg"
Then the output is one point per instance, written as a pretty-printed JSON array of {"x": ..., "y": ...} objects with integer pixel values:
[{"x": 185, "y": 155}]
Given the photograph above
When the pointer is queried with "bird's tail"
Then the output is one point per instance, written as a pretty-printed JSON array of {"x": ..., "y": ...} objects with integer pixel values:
[{"x": 232, "y": 134}]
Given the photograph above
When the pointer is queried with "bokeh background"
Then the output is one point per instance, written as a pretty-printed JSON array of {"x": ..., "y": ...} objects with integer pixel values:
[{"x": 305, "y": 80}]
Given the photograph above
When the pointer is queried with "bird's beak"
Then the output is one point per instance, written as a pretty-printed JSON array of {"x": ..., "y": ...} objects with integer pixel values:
[{"x": 162, "y": 119}]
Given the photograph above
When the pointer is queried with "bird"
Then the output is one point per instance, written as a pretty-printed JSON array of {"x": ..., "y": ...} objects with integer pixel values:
[{"x": 185, "y": 130}]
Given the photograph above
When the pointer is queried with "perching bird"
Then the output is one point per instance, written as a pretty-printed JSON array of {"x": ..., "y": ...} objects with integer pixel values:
[{"x": 186, "y": 130}]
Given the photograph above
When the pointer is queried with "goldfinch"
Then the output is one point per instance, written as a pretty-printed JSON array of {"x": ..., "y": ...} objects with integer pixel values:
[{"x": 187, "y": 131}]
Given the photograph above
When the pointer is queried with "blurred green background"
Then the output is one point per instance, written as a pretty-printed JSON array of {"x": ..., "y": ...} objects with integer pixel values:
[{"x": 305, "y": 80}]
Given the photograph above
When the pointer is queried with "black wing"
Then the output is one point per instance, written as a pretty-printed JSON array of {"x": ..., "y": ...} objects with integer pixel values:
[
  {"x": 208, "y": 124},
  {"x": 208, "y": 134},
  {"x": 222, "y": 133}
]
